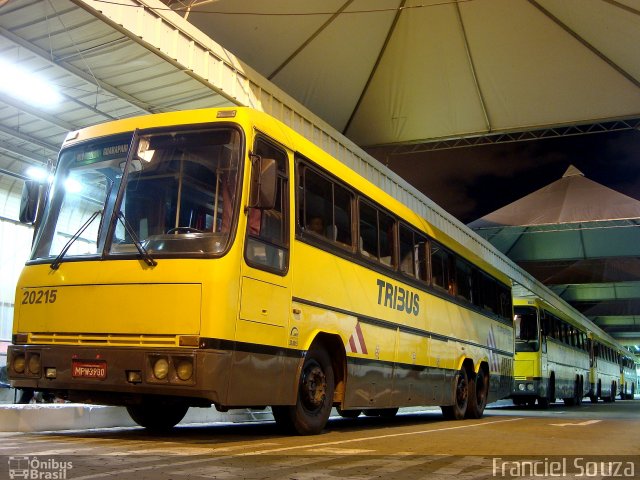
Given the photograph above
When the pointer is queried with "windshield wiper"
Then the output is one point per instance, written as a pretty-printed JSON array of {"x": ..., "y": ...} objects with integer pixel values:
[
  {"x": 56, "y": 263},
  {"x": 148, "y": 259}
]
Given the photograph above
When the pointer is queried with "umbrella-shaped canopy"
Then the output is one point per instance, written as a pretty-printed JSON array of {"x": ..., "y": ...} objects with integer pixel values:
[{"x": 582, "y": 239}]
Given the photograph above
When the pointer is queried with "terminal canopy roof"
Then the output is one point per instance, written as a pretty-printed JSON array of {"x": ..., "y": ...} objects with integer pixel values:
[
  {"x": 409, "y": 71},
  {"x": 583, "y": 240}
]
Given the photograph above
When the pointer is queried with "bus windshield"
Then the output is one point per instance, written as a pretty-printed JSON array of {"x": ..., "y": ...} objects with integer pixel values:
[
  {"x": 526, "y": 329},
  {"x": 177, "y": 194}
]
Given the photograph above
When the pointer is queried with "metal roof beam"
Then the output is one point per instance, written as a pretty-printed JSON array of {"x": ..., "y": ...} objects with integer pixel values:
[
  {"x": 69, "y": 68},
  {"x": 29, "y": 139},
  {"x": 21, "y": 152},
  {"x": 37, "y": 113},
  {"x": 510, "y": 137}
]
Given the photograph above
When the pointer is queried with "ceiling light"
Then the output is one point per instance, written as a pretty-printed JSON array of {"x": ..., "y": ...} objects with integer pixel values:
[
  {"x": 37, "y": 173},
  {"x": 27, "y": 86}
]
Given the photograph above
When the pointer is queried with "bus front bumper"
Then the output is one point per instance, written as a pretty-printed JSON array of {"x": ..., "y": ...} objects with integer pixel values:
[{"x": 120, "y": 375}]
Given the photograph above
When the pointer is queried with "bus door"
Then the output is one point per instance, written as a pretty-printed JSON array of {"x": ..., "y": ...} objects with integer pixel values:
[{"x": 265, "y": 301}]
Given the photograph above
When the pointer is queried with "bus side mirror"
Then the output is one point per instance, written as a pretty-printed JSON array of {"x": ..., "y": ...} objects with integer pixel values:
[
  {"x": 30, "y": 202},
  {"x": 263, "y": 183}
]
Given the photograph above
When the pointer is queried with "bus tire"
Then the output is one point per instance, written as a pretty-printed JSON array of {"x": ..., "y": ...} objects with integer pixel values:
[
  {"x": 477, "y": 395},
  {"x": 159, "y": 416},
  {"x": 614, "y": 391},
  {"x": 576, "y": 400},
  {"x": 545, "y": 402},
  {"x": 314, "y": 399},
  {"x": 460, "y": 397}
]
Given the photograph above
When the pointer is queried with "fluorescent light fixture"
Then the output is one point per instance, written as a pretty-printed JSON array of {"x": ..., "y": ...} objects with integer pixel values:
[{"x": 27, "y": 86}]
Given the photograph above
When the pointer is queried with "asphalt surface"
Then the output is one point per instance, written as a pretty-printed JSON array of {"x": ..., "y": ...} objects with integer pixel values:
[{"x": 590, "y": 441}]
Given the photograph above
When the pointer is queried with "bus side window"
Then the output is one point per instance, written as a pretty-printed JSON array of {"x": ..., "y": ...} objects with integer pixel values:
[
  {"x": 440, "y": 268},
  {"x": 377, "y": 234}
]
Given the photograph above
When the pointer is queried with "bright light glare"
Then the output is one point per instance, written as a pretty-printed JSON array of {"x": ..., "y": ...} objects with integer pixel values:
[
  {"x": 27, "y": 86},
  {"x": 37, "y": 173},
  {"x": 71, "y": 185}
]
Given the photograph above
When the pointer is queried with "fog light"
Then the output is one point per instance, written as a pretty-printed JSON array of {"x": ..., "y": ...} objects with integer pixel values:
[
  {"x": 34, "y": 363},
  {"x": 521, "y": 387},
  {"x": 19, "y": 363},
  {"x": 530, "y": 387},
  {"x": 161, "y": 368},
  {"x": 50, "y": 372},
  {"x": 134, "y": 376},
  {"x": 184, "y": 370}
]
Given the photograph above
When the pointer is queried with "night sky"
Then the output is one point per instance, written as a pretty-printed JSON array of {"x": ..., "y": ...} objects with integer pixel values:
[{"x": 474, "y": 181}]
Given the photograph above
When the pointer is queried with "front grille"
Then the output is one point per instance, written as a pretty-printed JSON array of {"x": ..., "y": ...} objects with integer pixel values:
[{"x": 97, "y": 339}]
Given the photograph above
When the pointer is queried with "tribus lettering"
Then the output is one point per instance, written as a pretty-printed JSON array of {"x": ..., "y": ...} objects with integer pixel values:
[{"x": 397, "y": 298}]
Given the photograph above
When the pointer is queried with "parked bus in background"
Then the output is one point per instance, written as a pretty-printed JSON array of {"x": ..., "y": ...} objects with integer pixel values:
[
  {"x": 218, "y": 257},
  {"x": 605, "y": 369},
  {"x": 552, "y": 355},
  {"x": 628, "y": 375}
]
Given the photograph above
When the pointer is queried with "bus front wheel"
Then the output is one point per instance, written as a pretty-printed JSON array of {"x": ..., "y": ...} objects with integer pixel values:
[
  {"x": 315, "y": 396},
  {"x": 157, "y": 416}
]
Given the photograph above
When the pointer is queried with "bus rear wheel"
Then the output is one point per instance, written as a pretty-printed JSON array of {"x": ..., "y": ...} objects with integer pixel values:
[
  {"x": 315, "y": 396},
  {"x": 477, "y": 395},
  {"x": 157, "y": 416},
  {"x": 460, "y": 397}
]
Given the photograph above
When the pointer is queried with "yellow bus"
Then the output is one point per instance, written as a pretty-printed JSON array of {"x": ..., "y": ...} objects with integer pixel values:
[
  {"x": 552, "y": 355},
  {"x": 628, "y": 375},
  {"x": 605, "y": 372},
  {"x": 218, "y": 257}
]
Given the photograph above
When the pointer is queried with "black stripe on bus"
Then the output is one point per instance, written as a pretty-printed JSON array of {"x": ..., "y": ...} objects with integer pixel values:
[
  {"x": 397, "y": 326},
  {"x": 233, "y": 346}
]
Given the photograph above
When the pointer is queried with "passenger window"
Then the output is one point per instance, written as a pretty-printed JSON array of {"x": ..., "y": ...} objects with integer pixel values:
[
  {"x": 463, "y": 279},
  {"x": 324, "y": 207},
  {"x": 440, "y": 267},
  {"x": 377, "y": 234}
]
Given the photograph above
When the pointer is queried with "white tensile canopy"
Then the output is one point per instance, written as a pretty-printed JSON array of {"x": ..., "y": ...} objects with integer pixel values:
[{"x": 404, "y": 71}]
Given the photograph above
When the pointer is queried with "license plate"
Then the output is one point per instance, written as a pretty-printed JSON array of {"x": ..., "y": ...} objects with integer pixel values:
[{"x": 89, "y": 369}]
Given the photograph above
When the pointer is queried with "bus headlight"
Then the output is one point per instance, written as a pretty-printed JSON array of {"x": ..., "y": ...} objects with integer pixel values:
[
  {"x": 530, "y": 387},
  {"x": 34, "y": 363},
  {"x": 184, "y": 369},
  {"x": 19, "y": 363},
  {"x": 161, "y": 368},
  {"x": 521, "y": 387}
]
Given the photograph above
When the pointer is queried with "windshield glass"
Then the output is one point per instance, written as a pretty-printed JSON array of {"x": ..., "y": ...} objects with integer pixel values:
[
  {"x": 526, "y": 329},
  {"x": 179, "y": 195},
  {"x": 87, "y": 176}
]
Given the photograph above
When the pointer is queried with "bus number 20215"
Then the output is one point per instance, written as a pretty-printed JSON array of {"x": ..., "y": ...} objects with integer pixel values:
[{"x": 35, "y": 297}]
